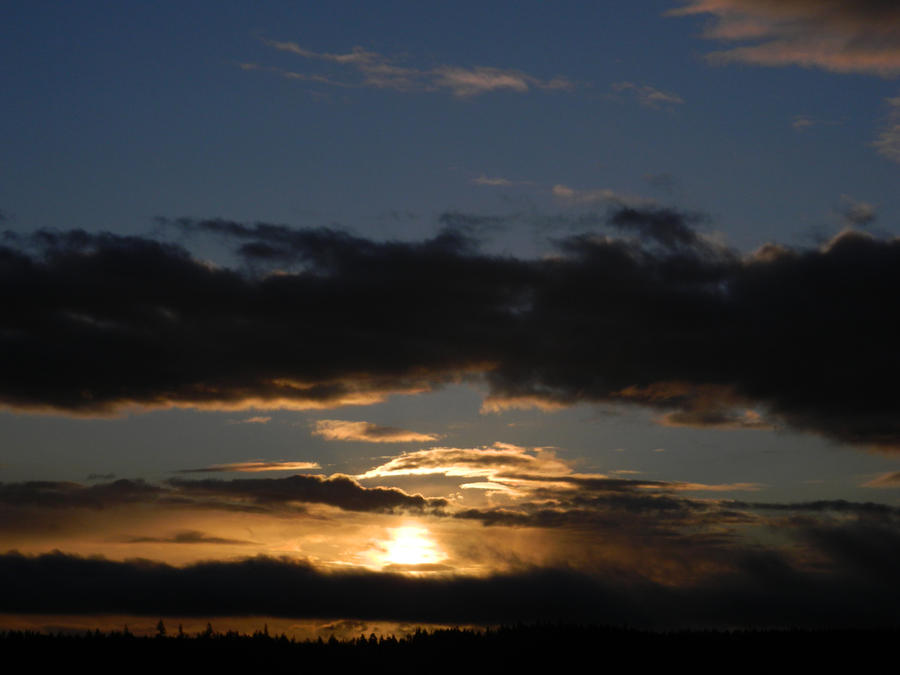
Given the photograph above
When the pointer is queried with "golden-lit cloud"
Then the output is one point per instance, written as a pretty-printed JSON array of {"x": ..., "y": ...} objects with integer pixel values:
[
  {"x": 499, "y": 404},
  {"x": 257, "y": 419},
  {"x": 493, "y": 462},
  {"x": 255, "y": 467},
  {"x": 715, "y": 418},
  {"x": 343, "y": 430},
  {"x": 885, "y": 480}
]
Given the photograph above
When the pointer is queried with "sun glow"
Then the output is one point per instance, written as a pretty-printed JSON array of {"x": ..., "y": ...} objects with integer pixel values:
[{"x": 410, "y": 546}]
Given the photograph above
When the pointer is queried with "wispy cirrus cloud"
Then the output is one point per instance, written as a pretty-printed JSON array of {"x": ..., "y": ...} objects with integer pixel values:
[
  {"x": 885, "y": 480},
  {"x": 839, "y": 35},
  {"x": 344, "y": 430},
  {"x": 363, "y": 68},
  {"x": 888, "y": 141},
  {"x": 648, "y": 96},
  {"x": 498, "y": 181},
  {"x": 490, "y": 462},
  {"x": 524, "y": 471}
]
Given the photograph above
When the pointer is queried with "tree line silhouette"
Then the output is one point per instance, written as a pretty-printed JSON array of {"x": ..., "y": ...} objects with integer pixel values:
[{"x": 439, "y": 649}]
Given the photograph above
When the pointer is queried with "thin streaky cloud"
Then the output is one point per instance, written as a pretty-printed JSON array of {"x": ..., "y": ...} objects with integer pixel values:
[
  {"x": 257, "y": 419},
  {"x": 498, "y": 181},
  {"x": 885, "y": 480},
  {"x": 254, "y": 467},
  {"x": 648, "y": 96},
  {"x": 343, "y": 430},
  {"x": 383, "y": 72},
  {"x": 888, "y": 141},
  {"x": 186, "y": 537}
]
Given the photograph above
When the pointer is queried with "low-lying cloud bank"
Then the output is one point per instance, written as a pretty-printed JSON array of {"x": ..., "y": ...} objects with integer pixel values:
[
  {"x": 763, "y": 591},
  {"x": 660, "y": 316}
]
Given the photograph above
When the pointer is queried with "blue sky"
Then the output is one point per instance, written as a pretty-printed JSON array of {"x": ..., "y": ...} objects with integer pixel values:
[
  {"x": 120, "y": 112},
  {"x": 530, "y": 127}
]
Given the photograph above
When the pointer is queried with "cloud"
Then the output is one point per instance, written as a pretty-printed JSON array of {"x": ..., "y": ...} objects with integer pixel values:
[
  {"x": 665, "y": 318},
  {"x": 761, "y": 590},
  {"x": 342, "y": 430},
  {"x": 186, "y": 537},
  {"x": 843, "y": 36},
  {"x": 374, "y": 70},
  {"x": 885, "y": 480},
  {"x": 649, "y": 96},
  {"x": 804, "y": 122},
  {"x": 498, "y": 181},
  {"x": 602, "y": 196},
  {"x": 857, "y": 213},
  {"x": 240, "y": 494},
  {"x": 888, "y": 141},
  {"x": 252, "y": 467},
  {"x": 257, "y": 419},
  {"x": 709, "y": 417},
  {"x": 101, "y": 476},
  {"x": 490, "y": 462},
  {"x": 66, "y": 495},
  {"x": 583, "y": 196},
  {"x": 337, "y": 490}
]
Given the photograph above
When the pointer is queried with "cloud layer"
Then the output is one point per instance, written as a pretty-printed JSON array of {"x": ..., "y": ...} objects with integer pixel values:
[
  {"x": 764, "y": 591},
  {"x": 662, "y": 317}
]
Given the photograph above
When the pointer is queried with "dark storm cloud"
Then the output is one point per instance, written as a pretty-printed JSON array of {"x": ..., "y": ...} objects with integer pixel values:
[
  {"x": 667, "y": 226},
  {"x": 703, "y": 334},
  {"x": 186, "y": 537},
  {"x": 761, "y": 590},
  {"x": 255, "y": 495},
  {"x": 65, "y": 495},
  {"x": 337, "y": 490},
  {"x": 101, "y": 476},
  {"x": 824, "y": 506}
]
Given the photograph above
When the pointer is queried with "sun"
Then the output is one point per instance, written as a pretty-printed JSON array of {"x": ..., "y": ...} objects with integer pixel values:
[{"x": 410, "y": 546}]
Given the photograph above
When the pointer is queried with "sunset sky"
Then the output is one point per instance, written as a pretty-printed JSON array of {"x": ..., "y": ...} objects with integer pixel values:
[{"x": 417, "y": 313}]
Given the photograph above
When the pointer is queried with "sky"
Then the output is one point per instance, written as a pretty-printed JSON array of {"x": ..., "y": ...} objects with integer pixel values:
[{"x": 353, "y": 316}]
